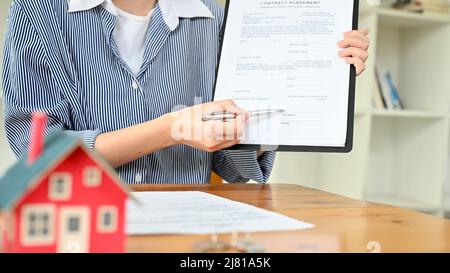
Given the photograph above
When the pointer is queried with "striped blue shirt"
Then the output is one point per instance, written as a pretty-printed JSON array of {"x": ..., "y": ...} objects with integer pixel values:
[{"x": 68, "y": 66}]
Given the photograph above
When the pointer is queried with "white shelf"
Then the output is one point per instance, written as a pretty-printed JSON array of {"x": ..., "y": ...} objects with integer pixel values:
[
  {"x": 401, "y": 154},
  {"x": 405, "y": 19},
  {"x": 408, "y": 114},
  {"x": 399, "y": 201},
  {"x": 360, "y": 112}
]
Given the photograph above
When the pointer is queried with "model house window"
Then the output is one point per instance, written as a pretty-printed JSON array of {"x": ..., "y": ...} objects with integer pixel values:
[
  {"x": 60, "y": 187},
  {"x": 37, "y": 224},
  {"x": 74, "y": 225},
  {"x": 107, "y": 219},
  {"x": 92, "y": 176}
]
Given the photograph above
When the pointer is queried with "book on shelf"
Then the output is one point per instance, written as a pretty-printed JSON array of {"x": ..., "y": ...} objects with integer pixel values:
[
  {"x": 423, "y": 6},
  {"x": 379, "y": 101},
  {"x": 409, "y": 5},
  {"x": 386, "y": 95},
  {"x": 436, "y": 6},
  {"x": 393, "y": 92}
]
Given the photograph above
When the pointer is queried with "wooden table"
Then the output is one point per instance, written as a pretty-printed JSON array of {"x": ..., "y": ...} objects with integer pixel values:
[{"x": 342, "y": 224}]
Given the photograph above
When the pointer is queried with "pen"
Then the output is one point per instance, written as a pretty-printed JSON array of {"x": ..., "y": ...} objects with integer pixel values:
[{"x": 225, "y": 116}]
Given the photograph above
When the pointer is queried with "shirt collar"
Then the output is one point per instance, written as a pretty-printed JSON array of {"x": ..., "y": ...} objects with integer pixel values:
[{"x": 171, "y": 10}]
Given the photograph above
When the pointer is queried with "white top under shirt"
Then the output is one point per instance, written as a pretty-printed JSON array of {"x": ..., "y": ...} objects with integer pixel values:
[{"x": 130, "y": 34}]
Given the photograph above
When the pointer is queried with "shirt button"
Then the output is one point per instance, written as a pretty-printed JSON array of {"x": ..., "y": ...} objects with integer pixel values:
[
  {"x": 135, "y": 85},
  {"x": 138, "y": 178}
]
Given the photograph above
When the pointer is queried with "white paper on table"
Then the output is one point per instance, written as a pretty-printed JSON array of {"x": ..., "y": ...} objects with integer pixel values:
[
  {"x": 284, "y": 55},
  {"x": 200, "y": 213}
]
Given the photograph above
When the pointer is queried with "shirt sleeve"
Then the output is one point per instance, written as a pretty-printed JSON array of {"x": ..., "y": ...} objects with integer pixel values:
[
  {"x": 242, "y": 166},
  {"x": 29, "y": 86}
]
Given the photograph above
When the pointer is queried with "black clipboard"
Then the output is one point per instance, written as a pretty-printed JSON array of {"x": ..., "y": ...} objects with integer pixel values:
[{"x": 348, "y": 147}]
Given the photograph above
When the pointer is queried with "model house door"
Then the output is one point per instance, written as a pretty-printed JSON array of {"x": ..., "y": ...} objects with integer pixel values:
[{"x": 74, "y": 229}]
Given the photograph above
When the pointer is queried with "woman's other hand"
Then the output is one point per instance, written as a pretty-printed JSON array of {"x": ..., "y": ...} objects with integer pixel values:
[{"x": 354, "y": 48}]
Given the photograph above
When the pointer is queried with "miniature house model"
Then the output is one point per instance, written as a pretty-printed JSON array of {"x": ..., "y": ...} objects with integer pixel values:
[{"x": 62, "y": 198}]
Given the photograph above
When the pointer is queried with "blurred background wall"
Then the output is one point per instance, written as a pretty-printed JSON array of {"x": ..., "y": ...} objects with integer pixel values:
[{"x": 400, "y": 156}]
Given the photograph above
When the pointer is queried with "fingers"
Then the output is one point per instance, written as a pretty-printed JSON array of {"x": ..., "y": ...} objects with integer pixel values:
[
  {"x": 358, "y": 63},
  {"x": 234, "y": 129},
  {"x": 219, "y": 135},
  {"x": 356, "y": 38},
  {"x": 225, "y": 130},
  {"x": 223, "y": 106},
  {"x": 363, "y": 31},
  {"x": 354, "y": 52},
  {"x": 216, "y": 106},
  {"x": 355, "y": 46},
  {"x": 354, "y": 41},
  {"x": 236, "y": 110},
  {"x": 212, "y": 135}
]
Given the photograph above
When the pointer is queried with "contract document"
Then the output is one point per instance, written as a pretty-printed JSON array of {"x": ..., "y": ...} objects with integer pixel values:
[
  {"x": 284, "y": 55},
  {"x": 200, "y": 213}
]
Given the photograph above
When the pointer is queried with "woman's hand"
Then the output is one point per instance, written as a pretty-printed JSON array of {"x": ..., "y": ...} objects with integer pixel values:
[
  {"x": 182, "y": 127},
  {"x": 188, "y": 127},
  {"x": 355, "y": 45}
]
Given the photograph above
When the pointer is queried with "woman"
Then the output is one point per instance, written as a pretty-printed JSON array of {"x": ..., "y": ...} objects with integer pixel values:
[{"x": 111, "y": 72}]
